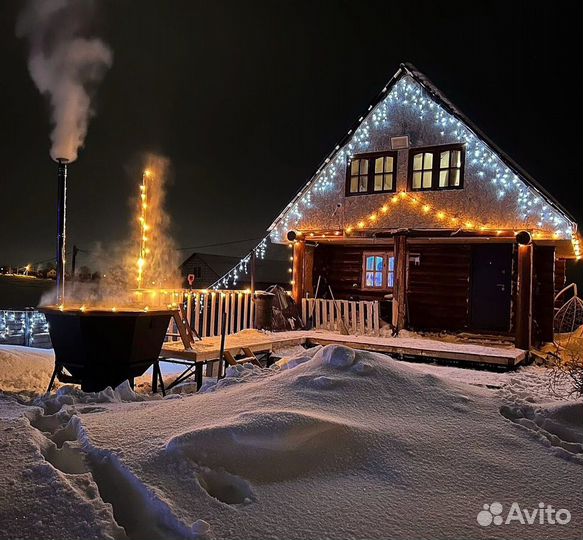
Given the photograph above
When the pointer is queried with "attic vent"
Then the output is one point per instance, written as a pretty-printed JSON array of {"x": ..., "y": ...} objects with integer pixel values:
[{"x": 398, "y": 143}]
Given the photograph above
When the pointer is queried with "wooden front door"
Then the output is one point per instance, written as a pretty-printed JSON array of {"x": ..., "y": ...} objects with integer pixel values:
[{"x": 491, "y": 287}]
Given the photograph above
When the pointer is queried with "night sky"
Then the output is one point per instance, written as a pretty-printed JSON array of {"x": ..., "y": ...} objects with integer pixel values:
[{"x": 246, "y": 98}]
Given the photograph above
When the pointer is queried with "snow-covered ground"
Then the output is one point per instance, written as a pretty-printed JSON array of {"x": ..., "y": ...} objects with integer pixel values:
[{"x": 331, "y": 443}]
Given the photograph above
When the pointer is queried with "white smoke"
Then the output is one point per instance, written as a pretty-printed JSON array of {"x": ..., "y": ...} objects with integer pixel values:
[{"x": 65, "y": 65}]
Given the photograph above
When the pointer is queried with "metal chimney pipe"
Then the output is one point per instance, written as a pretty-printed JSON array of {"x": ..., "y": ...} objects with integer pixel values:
[{"x": 61, "y": 227}]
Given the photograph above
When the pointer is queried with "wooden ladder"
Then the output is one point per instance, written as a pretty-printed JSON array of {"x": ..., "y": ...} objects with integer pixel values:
[{"x": 248, "y": 358}]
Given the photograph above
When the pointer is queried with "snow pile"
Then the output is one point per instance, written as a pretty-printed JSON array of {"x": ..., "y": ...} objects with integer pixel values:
[
  {"x": 25, "y": 370},
  {"x": 295, "y": 356},
  {"x": 332, "y": 443},
  {"x": 73, "y": 395}
]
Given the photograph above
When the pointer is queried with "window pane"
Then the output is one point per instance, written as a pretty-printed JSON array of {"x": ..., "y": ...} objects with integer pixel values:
[
  {"x": 370, "y": 279},
  {"x": 391, "y": 263},
  {"x": 363, "y": 166},
  {"x": 418, "y": 162},
  {"x": 370, "y": 263},
  {"x": 378, "y": 279},
  {"x": 455, "y": 177},
  {"x": 388, "y": 182},
  {"x": 354, "y": 166},
  {"x": 427, "y": 179},
  {"x": 378, "y": 164},
  {"x": 456, "y": 158},
  {"x": 378, "y": 182},
  {"x": 363, "y": 183},
  {"x": 390, "y": 279},
  {"x": 389, "y": 164},
  {"x": 379, "y": 264},
  {"x": 444, "y": 160},
  {"x": 416, "y": 180},
  {"x": 428, "y": 161},
  {"x": 354, "y": 184},
  {"x": 443, "y": 178}
]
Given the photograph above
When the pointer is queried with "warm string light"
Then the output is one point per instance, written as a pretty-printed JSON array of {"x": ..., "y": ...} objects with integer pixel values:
[
  {"x": 423, "y": 208},
  {"x": 576, "y": 242},
  {"x": 407, "y": 94},
  {"x": 144, "y": 227}
]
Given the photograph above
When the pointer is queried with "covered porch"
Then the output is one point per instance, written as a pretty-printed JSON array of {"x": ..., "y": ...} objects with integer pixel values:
[{"x": 501, "y": 285}]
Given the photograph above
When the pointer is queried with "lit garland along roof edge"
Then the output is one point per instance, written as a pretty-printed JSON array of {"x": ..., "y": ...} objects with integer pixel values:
[{"x": 441, "y": 99}]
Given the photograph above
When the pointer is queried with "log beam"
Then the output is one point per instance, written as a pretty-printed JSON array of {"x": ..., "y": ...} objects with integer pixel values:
[
  {"x": 524, "y": 297},
  {"x": 298, "y": 285},
  {"x": 400, "y": 284}
]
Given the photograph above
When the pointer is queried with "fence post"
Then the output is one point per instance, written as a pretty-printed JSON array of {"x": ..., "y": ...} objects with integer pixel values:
[{"x": 189, "y": 309}]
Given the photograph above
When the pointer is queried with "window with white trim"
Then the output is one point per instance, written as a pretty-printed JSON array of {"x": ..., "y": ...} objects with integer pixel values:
[{"x": 378, "y": 270}]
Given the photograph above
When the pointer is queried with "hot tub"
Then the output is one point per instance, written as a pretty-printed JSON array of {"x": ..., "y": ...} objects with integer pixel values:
[{"x": 102, "y": 348}]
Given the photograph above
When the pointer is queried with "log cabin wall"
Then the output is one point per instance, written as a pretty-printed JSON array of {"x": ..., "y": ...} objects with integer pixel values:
[
  {"x": 439, "y": 287},
  {"x": 438, "y": 284},
  {"x": 560, "y": 278},
  {"x": 543, "y": 293},
  {"x": 341, "y": 266}
]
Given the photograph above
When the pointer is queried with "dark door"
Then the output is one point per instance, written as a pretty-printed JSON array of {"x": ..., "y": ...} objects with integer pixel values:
[{"x": 491, "y": 287}]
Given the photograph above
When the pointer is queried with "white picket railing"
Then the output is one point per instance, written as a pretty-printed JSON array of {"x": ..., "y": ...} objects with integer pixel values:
[
  {"x": 204, "y": 312},
  {"x": 360, "y": 317}
]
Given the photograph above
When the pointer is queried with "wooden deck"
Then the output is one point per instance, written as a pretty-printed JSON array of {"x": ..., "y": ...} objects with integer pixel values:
[{"x": 408, "y": 347}]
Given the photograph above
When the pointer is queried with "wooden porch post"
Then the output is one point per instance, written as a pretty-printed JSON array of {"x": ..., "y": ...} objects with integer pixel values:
[
  {"x": 400, "y": 283},
  {"x": 298, "y": 285},
  {"x": 524, "y": 298}
]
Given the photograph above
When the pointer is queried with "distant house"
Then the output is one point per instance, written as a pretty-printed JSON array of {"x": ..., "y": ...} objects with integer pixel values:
[
  {"x": 208, "y": 268},
  {"x": 417, "y": 208}
]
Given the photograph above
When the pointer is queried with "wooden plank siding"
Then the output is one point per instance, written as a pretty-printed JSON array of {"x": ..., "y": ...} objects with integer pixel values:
[
  {"x": 543, "y": 293},
  {"x": 439, "y": 287}
]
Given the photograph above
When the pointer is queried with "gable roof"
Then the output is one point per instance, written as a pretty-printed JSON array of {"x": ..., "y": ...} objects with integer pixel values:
[{"x": 443, "y": 101}]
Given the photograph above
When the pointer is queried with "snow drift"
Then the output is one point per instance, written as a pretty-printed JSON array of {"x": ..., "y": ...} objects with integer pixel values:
[
  {"x": 25, "y": 370},
  {"x": 345, "y": 444}
]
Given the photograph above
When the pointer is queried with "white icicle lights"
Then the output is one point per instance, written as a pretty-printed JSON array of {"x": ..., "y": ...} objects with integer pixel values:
[{"x": 493, "y": 193}]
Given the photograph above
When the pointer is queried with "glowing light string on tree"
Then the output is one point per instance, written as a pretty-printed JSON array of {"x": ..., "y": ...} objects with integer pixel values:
[
  {"x": 144, "y": 227},
  {"x": 407, "y": 92}
]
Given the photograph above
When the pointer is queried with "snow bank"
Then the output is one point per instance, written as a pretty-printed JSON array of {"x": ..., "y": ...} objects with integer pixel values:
[
  {"x": 25, "y": 370},
  {"x": 330, "y": 443}
]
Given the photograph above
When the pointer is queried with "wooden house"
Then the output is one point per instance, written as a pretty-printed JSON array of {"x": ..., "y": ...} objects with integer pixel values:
[{"x": 417, "y": 208}]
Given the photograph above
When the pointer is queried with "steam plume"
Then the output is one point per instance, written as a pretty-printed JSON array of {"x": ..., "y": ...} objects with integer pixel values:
[{"x": 65, "y": 65}]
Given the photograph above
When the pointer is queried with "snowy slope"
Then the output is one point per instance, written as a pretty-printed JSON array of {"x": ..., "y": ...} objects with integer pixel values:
[
  {"x": 24, "y": 369},
  {"x": 343, "y": 444}
]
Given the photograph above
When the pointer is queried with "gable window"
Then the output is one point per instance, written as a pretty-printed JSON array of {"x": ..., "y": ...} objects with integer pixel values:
[
  {"x": 438, "y": 167},
  {"x": 378, "y": 270},
  {"x": 372, "y": 173}
]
